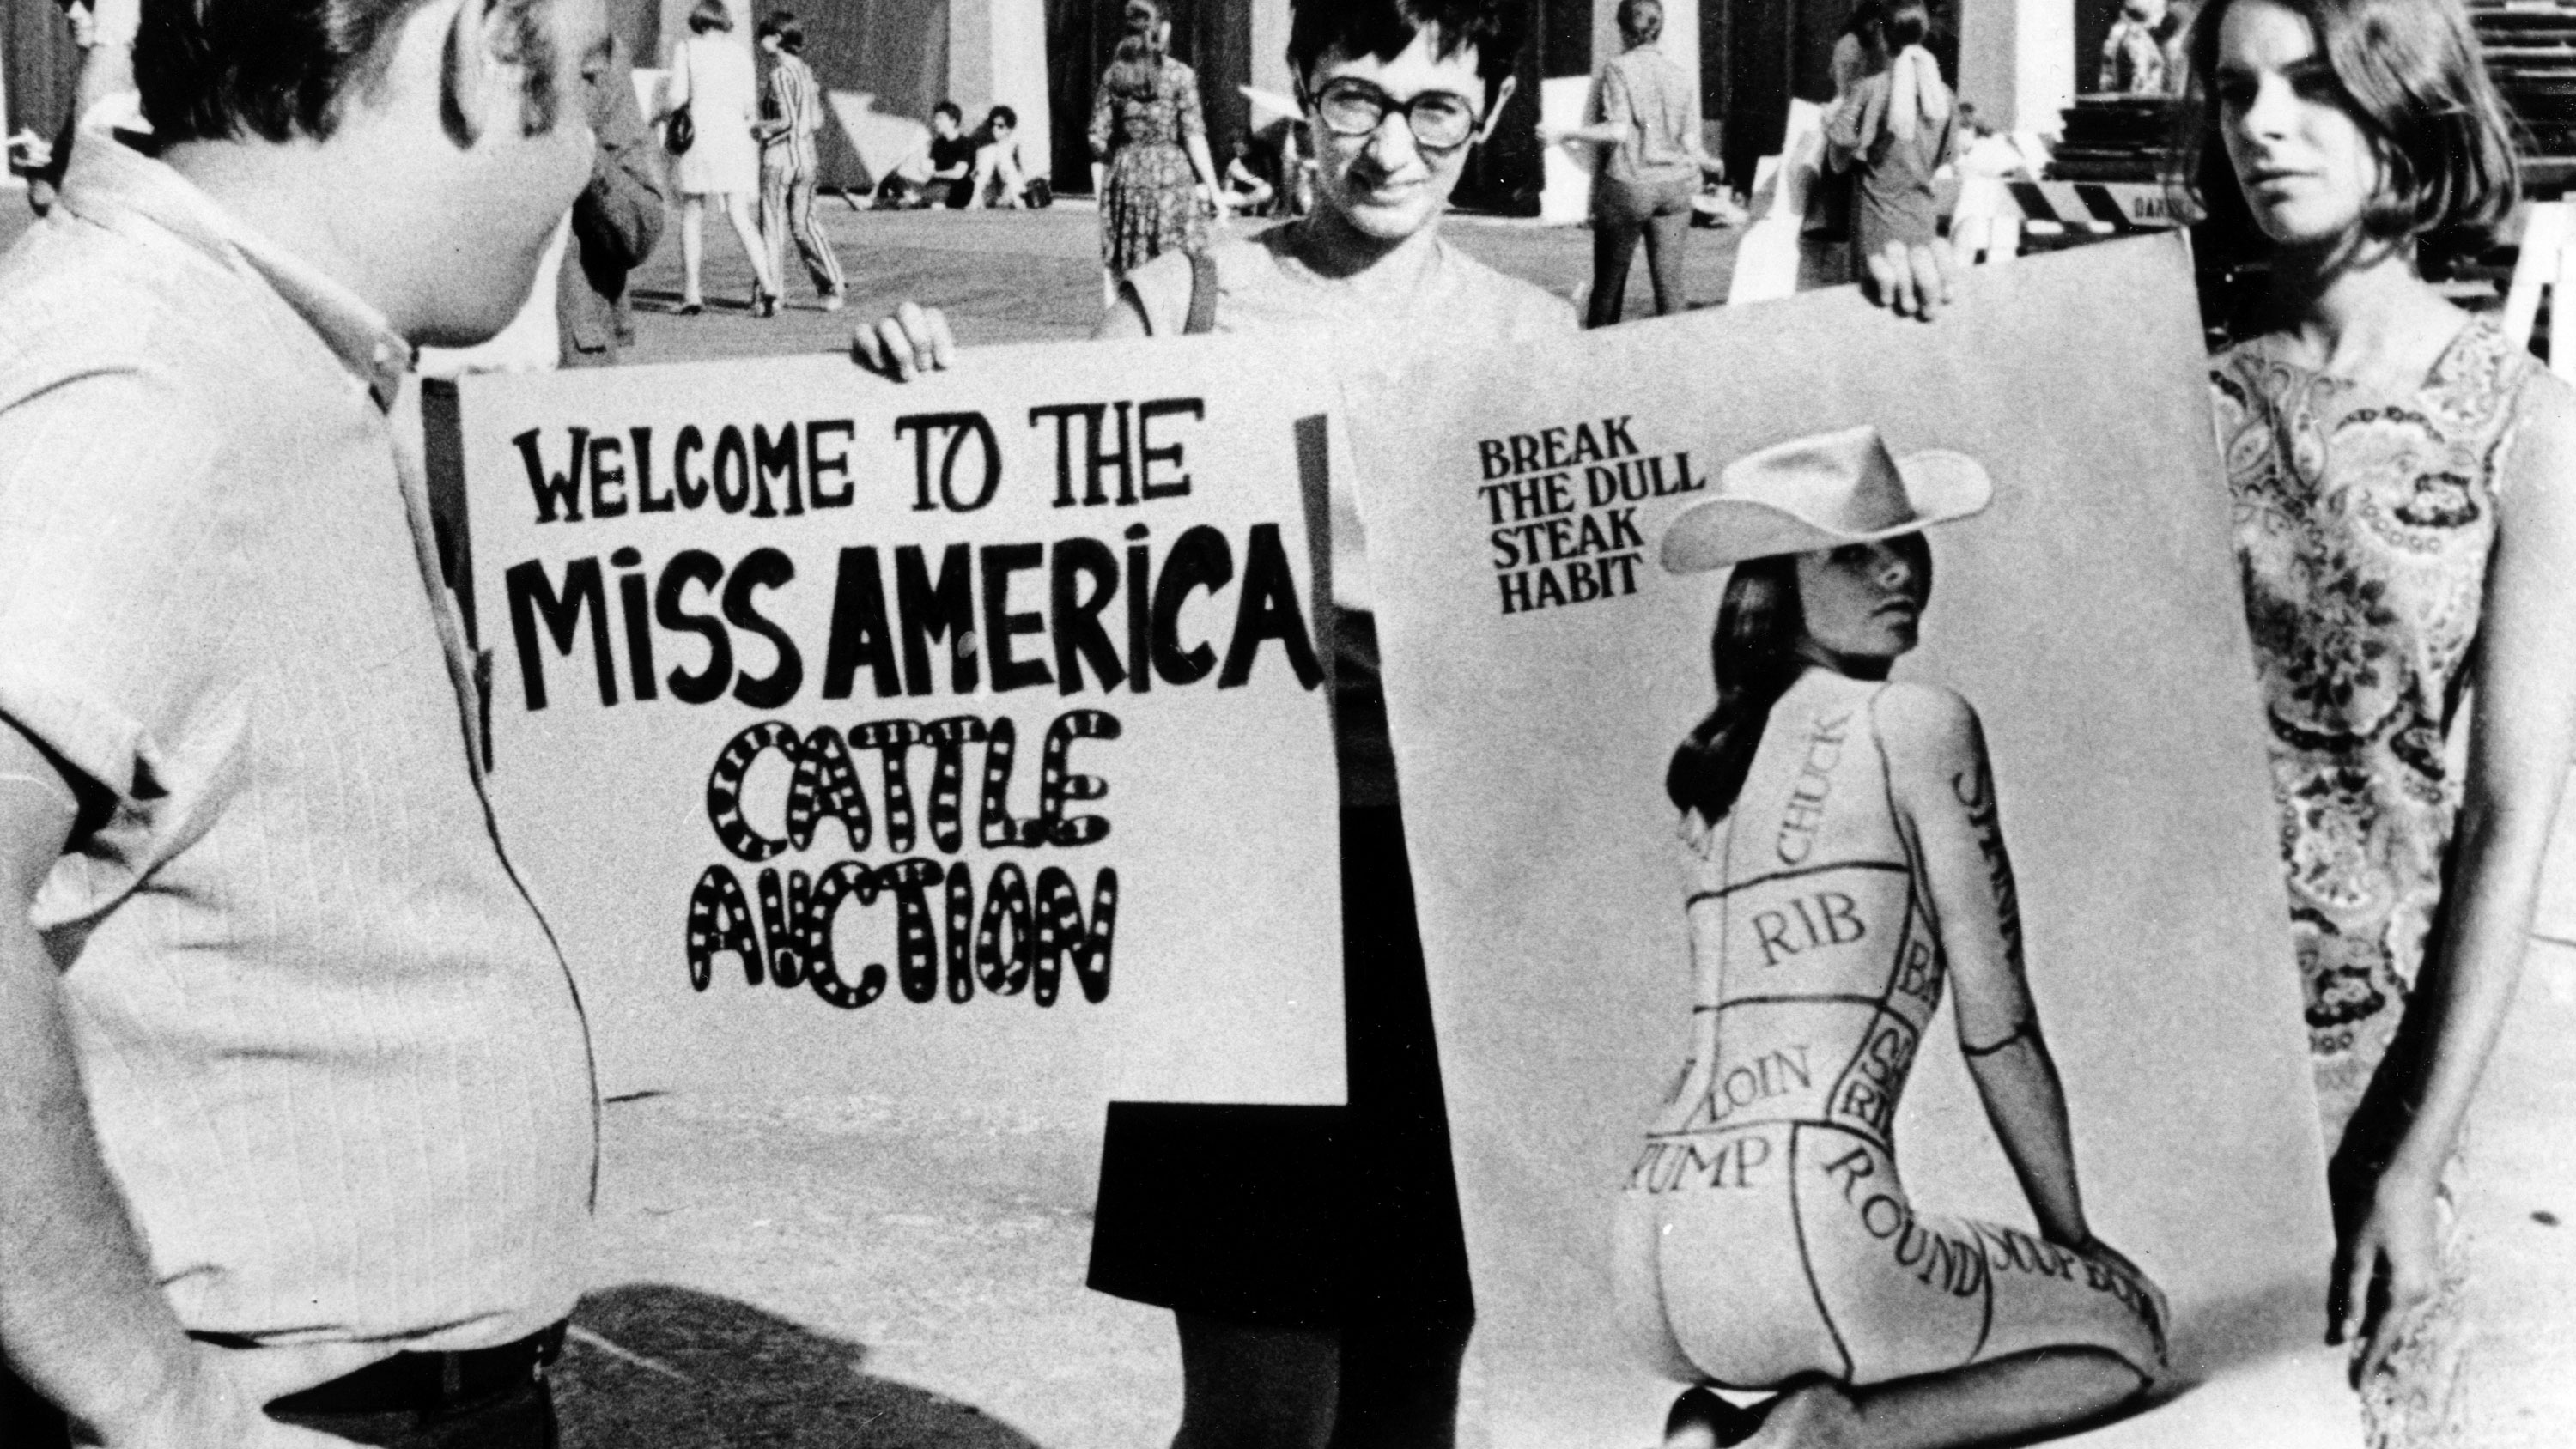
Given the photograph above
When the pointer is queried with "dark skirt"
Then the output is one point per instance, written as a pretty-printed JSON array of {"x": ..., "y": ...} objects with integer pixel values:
[{"x": 1305, "y": 1217}]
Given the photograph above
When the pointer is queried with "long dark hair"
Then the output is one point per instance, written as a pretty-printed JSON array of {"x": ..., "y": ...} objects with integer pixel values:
[
  {"x": 2410, "y": 72},
  {"x": 1754, "y": 654}
]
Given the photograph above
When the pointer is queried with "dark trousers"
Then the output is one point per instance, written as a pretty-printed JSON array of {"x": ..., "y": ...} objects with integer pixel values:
[
  {"x": 522, "y": 1417},
  {"x": 1622, "y": 212}
]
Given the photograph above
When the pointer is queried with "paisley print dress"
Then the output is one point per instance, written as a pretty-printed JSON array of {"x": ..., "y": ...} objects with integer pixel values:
[
  {"x": 1142, "y": 118},
  {"x": 2363, "y": 524}
]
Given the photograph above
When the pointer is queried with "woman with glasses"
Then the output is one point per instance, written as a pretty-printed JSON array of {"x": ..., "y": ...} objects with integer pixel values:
[
  {"x": 1312, "y": 1255},
  {"x": 1150, "y": 165}
]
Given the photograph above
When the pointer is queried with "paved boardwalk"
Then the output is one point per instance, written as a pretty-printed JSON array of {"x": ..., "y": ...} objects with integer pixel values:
[{"x": 1006, "y": 276}]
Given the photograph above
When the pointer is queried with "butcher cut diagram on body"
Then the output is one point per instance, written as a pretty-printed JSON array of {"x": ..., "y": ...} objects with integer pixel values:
[{"x": 1846, "y": 866}]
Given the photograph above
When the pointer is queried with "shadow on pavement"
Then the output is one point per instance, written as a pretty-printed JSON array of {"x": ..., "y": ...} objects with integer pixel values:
[{"x": 651, "y": 1366}]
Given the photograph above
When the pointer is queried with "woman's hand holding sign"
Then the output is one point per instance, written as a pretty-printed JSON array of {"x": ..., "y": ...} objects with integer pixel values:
[{"x": 914, "y": 340}]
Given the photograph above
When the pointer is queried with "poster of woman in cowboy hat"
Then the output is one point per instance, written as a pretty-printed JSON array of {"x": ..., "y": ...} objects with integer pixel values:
[
  {"x": 1846, "y": 864},
  {"x": 1976, "y": 877}
]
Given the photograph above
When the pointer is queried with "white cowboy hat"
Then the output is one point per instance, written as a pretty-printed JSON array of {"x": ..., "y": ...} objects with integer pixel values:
[{"x": 1819, "y": 492}]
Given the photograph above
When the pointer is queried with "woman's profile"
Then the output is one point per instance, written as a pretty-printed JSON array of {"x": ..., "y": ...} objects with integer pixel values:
[{"x": 1847, "y": 864}]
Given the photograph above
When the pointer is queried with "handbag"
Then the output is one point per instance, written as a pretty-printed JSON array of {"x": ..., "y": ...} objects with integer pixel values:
[{"x": 679, "y": 129}]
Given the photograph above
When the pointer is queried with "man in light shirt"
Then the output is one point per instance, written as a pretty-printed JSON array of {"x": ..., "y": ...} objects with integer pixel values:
[{"x": 295, "y": 1096}]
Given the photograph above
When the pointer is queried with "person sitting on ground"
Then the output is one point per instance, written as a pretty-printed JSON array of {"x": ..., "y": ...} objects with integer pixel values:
[
  {"x": 937, "y": 168},
  {"x": 1251, "y": 192},
  {"x": 999, "y": 181}
]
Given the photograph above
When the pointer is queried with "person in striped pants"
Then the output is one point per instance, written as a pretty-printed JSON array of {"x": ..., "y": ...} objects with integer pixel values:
[{"x": 792, "y": 114}]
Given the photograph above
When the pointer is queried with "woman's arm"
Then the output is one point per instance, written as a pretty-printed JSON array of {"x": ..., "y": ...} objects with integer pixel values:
[
  {"x": 1938, "y": 769},
  {"x": 1103, "y": 117},
  {"x": 1193, "y": 127},
  {"x": 1853, "y": 123},
  {"x": 2520, "y": 738}
]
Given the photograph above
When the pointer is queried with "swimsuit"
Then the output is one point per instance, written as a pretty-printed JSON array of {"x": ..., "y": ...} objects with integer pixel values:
[{"x": 1764, "y": 1233}]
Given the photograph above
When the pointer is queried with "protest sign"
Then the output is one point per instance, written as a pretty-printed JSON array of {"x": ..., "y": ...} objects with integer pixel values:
[
  {"x": 1543, "y": 664},
  {"x": 963, "y": 739}
]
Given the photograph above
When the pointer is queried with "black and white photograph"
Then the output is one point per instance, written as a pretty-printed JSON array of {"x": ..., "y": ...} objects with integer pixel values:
[{"x": 1286, "y": 724}]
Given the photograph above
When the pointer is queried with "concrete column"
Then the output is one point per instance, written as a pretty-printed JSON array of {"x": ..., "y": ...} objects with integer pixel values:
[
  {"x": 1019, "y": 70},
  {"x": 1270, "y": 48},
  {"x": 970, "y": 57},
  {"x": 997, "y": 56},
  {"x": 2017, "y": 61}
]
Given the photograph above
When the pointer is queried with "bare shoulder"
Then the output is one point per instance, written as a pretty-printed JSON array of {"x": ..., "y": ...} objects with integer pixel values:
[
  {"x": 2544, "y": 447},
  {"x": 1930, "y": 732}
]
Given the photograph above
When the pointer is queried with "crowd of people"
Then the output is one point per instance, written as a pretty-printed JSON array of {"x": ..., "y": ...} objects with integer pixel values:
[{"x": 294, "y": 1088}]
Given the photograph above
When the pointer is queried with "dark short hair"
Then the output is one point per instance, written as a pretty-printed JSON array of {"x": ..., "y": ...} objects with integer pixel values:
[
  {"x": 783, "y": 24},
  {"x": 950, "y": 110},
  {"x": 1908, "y": 22},
  {"x": 1383, "y": 28},
  {"x": 1641, "y": 22},
  {"x": 212, "y": 70},
  {"x": 2409, "y": 72},
  {"x": 709, "y": 15},
  {"x": 1002, "y": 116}
]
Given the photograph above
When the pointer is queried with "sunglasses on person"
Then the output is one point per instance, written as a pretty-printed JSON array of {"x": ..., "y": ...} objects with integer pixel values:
[{"x": 1439, "y": 120}]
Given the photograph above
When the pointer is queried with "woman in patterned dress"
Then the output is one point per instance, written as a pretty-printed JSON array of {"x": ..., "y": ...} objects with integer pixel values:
[
  {"x": 2406, "y": 529},
  {"x": 1150, "y": 165}
]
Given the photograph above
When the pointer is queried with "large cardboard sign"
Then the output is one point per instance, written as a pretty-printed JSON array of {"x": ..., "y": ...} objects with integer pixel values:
[
  {"x": 1542, "y": 666},
  {"x": 963, "y": 739}
]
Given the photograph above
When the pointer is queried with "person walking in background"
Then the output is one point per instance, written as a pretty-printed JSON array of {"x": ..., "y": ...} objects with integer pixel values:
[
  {"x": 790, "y": 119},
  {"x": 1891, "y": 133},
  {"x": 713, "y": 77},
  {"x": 1824, "y": 237},
  {"x": 616, "y": 221},
  {"x": 1150, "y": 164},
  {"x": 1645, "y": 111},
  {"x": 934, "y": 172},
  {"x": 1861, "y": 50}
]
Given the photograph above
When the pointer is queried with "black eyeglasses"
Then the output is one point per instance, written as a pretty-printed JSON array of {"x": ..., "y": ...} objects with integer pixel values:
[{"x": 1439, "y": 120}]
